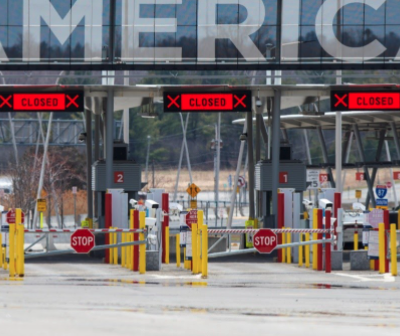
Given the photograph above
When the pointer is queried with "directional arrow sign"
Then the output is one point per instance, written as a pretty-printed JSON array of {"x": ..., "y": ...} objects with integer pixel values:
[{"x": 265, "y": 241}]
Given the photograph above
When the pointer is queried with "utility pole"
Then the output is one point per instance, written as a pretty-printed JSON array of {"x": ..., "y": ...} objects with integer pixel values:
[
  {"x": 147, "y": 157},
  {"x": 153, "y": 175}
]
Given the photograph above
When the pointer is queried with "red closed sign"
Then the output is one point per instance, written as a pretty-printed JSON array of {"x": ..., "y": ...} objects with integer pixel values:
[{"x": 396, "y": 175}]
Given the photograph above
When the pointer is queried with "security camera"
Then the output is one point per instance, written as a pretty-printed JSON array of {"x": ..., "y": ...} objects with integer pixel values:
[
  {"x": 325, "y": 203},
  {"x": 133, "y": 202},
  {"x": 150, "y": 204},
  {"x": 82, "y": 137},
  {"x": 258, "y": 103}
]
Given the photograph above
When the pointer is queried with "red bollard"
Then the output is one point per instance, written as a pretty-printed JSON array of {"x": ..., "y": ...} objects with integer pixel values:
[
  {"x": 165, "y": 223},
  {"x": 281, "y": 221},
  {"x": 108, "y": 223},
  {"x": 136, "y": 238},
  {"x": 337, "y": 204},
  {"x": 387, "y": 229},
  {"x": 328, "y": 253}
]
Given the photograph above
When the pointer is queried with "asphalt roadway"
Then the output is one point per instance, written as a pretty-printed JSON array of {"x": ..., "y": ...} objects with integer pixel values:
[{"x": 247, "y": 296}]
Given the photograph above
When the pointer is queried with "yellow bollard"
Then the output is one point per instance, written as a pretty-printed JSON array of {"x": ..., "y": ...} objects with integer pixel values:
[
  {"x": 200, "y": 219},
  {"x": 41, "y": 219},
  {"x": 307, "y": 250},
  {"x": 123, "y": 250},
  {"x": 381, "y": 248},
  {"x": 110, "y": 250},
  {"x": 355, "y": 247},
  {"x": 289, "y": 249},
  {"x": 204, "y": 266},
  {"x": 301, "y": 251},
  {"x": 167, "y": 245},
  {"x": 115, "y": 249},
  {"x": 178, "y": 250},
  {"x": 21, "y": 252},
  {"x": 131, "y": 250},
  {"x": 142, "y": 248},
  {"x": 393, "y": 249},
  {"x": 283, "y": 243},
  {"x": 12, "y": 250},
  {"x": 18, "y": 257},
  {"x": 315, "y": 237},
  {"x": 194, "y": 248},
  {"x": 1, "y": 252}
]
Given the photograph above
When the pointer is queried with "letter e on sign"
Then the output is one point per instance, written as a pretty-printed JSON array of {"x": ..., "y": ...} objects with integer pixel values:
[
  {"x": 118, "y": 177},
  {"x": 283, "y": 177}
]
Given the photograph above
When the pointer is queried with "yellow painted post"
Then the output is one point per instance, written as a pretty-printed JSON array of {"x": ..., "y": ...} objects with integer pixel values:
[
  {"x": 284, "y": 249},
  {"x": 142, "y": 248},
  {"x": 178, "y": 250},
  {"x": 393, "y": 249},
  {"x": 115, "y": 249},
  {"x": 371, "y": 262},
  {"x": 315, "y": 237},
  {"x": 21, "y": 252},
  {"x": 307, "y": 250},
  {"x": 381, "y": 248},
  {"x": 200, "y": 222},
  {"x": 131, "y": 250},
  {"x": 18, "y": 220},
  {"x": 355, "y": 247},
  {"x": 194, "y": 248},
  {"x": 12, "y": 250},
  {"x": 1, "y": 252},
  {"x": 41, "y": 219},
  {"x": 301, "y": 251},
  {"x": 204, "y": 266},
  {"x": 289, "y": 249},
  {"x": 167, "y": 244},
  {"x": 123, "y": 250},
  {"x": 110, "y": 250}
]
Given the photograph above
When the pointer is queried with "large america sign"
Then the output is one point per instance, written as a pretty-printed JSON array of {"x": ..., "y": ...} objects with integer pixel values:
[{"x": 199, "y": 34}]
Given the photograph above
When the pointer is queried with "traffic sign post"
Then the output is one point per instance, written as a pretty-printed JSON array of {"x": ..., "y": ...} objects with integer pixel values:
[
  {"x": 82, "y": 241},
  {"x": 265, "y": 241}
]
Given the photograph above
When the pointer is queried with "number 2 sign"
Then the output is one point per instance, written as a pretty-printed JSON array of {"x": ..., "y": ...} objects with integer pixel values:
[{"x": 118, "y": 177}]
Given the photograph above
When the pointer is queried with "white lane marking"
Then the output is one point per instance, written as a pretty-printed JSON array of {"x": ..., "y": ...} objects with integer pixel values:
[{"x": 387, "y": 277}]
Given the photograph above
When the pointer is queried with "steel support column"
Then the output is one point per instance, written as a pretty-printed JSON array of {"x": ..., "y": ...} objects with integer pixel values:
[
  {"x": 325, "y": 155},
  {"x": 381, "y": 142},
  {"x": 366, "y": 172},
  {"x": 250, "y": 155},
  {"x": 276, "y": 142},
  {"x": 109, "y": 143},
  {"x": 89, "y": 161},
  {"x": 396, "y": 139}
]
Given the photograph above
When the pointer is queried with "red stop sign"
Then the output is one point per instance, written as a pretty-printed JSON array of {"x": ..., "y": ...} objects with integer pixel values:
[
  {"x": 10, "y": 217},
  {"x": 82, "y": 241},
  {"x": 265, "y": 241}
]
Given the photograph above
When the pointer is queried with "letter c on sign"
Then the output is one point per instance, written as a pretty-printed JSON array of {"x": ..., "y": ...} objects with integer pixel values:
[{"x": 326, "y": 36}]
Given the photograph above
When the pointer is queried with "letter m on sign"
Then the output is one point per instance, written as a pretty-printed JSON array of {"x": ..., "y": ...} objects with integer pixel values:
[{"x": 62, "y": 27}]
